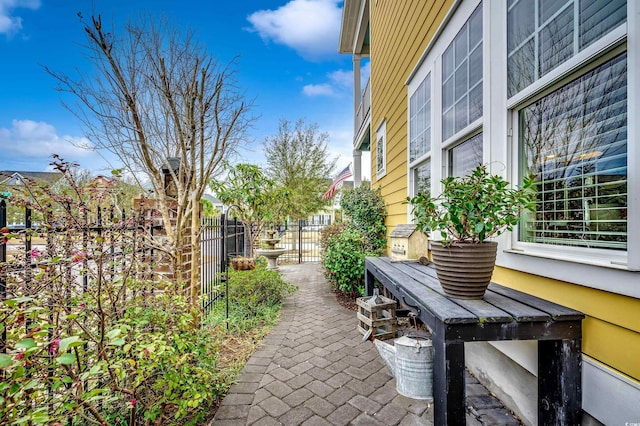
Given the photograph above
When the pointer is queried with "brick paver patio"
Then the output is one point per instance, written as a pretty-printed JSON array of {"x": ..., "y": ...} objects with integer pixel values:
[{"x": 314, "y": 369}]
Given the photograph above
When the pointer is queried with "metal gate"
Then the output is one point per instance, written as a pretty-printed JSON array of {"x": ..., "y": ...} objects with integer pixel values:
[{"x": 302, "y": 241}]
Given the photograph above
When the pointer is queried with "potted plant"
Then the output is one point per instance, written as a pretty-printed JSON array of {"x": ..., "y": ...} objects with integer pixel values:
[{"x": 471, "y": 210}]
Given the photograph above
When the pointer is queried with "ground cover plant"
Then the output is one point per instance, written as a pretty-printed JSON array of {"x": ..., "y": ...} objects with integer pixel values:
[{"x": 89, "y": 338}]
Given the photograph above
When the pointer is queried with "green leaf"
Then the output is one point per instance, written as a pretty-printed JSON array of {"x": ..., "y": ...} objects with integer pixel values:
[
  {"x": 113, "y": 333},
  {"x": 26, "y": 343},
  {"x": 479, "y": 227},
  {"x": 5, "y": 361},
  {"x": 66, "y": 359},
  {"x": 70, "y": 342},
  {"x": 117, "y": 342}
]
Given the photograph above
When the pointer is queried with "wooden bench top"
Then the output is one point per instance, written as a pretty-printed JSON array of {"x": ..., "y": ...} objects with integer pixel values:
[{"x": 500, "y": 304}]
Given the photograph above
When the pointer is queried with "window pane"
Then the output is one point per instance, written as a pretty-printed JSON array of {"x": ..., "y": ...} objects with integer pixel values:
[
  {"x": 475, "y": 103},
  {"x": 574, "y": 142},
  {"x": 422, "y": 178},
  {"x": 556, "y": 41},
  {"x": 599, "y": 17},
  {"x": 465, "y": 157},
  {"x": 521, "y": 65},
  {"x": 475, "y": 65},
  {"x": 548, "y": 8},
  {"x": 420, "y": 120},
  {"x": 447, "y": 124},
  {"x": 519, "y": 23},
  {"x": 460, "y": 44},
  {"x": 447, "y": 94},
  {"x": 462, "y": 114},
  {"x": 462, "y": 82},
  {"x": 380, "y": 155},
  {"x": 447, "y": 63}
]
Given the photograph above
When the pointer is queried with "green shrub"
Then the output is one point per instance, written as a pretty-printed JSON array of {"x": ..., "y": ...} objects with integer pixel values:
[
  {"x": 366, "y": 211},
  {"x": 344, "y": 261},
  {"x": 327, "y": 232},
  {"x": 257, "y": 288}
]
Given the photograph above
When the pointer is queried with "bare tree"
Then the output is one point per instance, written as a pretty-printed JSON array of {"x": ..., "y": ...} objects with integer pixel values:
[
  {"x": 157, "y": 94},
  {"x": 298, "y": 160}
]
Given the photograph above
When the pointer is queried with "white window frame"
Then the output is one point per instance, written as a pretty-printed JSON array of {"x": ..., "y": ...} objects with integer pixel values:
[{"x": 381, "y": 150}]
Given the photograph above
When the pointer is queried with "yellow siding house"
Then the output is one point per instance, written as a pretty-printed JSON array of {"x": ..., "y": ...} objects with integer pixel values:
[{"x": 545, "y": 89}]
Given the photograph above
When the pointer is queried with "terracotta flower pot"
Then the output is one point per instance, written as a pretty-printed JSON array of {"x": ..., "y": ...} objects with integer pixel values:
[{"x": 464, "y": 269}]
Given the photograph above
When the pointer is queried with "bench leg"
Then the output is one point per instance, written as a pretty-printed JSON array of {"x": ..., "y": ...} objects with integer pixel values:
[
  {"x": 448, "y": 382},
  {"x": 559, "y": 382},
  {"x": 369, "y": 281}
]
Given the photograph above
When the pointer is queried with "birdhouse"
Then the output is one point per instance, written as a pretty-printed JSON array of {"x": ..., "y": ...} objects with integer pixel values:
[{"x": 407, "y": 243}]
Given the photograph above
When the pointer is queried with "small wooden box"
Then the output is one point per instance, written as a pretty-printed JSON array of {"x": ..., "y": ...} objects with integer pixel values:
[{"x": 379, "y": 318}]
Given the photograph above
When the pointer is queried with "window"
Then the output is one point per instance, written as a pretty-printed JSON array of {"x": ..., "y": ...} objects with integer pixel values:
[
  {"x": 466, "y": 156},
  {"x": 573, "y": 142},
  {"x": 462, "y": 77},
  {"x": 381, "y": 150},
  {"x": 543, "y": 34},
  {"x": 420, "y": 120}
]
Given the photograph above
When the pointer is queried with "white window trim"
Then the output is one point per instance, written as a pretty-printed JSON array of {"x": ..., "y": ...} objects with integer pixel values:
[{"x": 381, "y": 134}]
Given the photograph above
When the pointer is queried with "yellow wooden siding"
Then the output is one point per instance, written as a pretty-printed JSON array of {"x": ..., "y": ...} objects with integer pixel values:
[
  {"x": 400, "y": 32},
  {"x": 611, "y": 330}
]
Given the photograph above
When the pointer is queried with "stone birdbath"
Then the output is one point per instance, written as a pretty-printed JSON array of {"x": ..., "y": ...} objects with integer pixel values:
[{"x": 271, "y": 253}]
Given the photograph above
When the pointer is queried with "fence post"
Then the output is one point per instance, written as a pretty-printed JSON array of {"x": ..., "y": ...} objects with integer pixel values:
[{"x": 300, "y": 225}]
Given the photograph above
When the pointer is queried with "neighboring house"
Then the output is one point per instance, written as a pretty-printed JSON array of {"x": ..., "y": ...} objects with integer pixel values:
[
  {"x": 17, "y": 178},
  {"x": 549, "y": 90},
  {"x": 215, "y": 203}
]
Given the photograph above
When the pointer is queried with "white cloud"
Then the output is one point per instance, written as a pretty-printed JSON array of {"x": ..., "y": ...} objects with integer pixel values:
[
  {"x": 318, "y": 90},
  {"x": 338, "y": 82},
  {"x": 9, "y": 23},
  {"x": 28, "y": 138},
  {"x": 310, "y": 27}
]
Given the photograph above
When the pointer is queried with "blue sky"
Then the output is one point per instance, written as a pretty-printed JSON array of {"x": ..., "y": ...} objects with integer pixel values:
[{"x": 286, "y": 59}]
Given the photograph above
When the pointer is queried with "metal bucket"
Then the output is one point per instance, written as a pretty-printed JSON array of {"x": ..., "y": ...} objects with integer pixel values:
[{"x": 411, "y": 363}]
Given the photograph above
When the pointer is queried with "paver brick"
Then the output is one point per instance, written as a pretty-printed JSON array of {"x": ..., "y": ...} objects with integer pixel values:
[
  {"x": 299, "y": 381},
  {"x": 316, "y": 421},
  {"x": 320, "y": 373},
  {"x": 238, "y": 399},
  {"x": 245, "y": 387},
  {"x": 365, "y": 404},
  {"x": 301, "y": 367},
  {"x": 366, "y": 420},
  {"x": 298, "y": 397},
  {"x": 338, "y": 380},
  {"x": 278, "y": 389},
  {"x": 320, "y": 406},
  {"x": 282, "y": 374},
  {"x": 255, "y": 413},
  {"x": 226, "y": 412},
  {"x": 343, "y": 415},
  {"x": 274, "y": 407},
  {"x": 296, "y": 416},
  {"x": 319, "y": 388},
  {"x": 341, "y": 396}
]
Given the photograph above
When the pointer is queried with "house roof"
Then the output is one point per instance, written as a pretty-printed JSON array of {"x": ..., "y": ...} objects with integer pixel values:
[
  {"x": 354, "y": 27},
  {"x": 212, "y": 199},
  {"x": 14, "y": 176}
]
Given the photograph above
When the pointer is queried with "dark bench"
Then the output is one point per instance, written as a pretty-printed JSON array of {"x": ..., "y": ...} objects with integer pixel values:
[{"x": 504, "y": 314}]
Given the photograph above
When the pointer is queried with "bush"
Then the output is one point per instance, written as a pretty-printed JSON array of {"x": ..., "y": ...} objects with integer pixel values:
[
  {"x": 257, "y": 288},
  {"x": 366, "y": 211},
  {"x": 344, "y": 261},
  {"x": 327, "y": 232}
]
